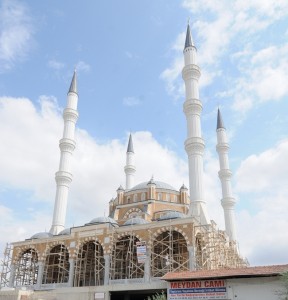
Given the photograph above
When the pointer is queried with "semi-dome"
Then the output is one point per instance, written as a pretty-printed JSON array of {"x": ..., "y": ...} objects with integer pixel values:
[
  {"x": 65, "y": 231},
  {"x": 41, "y": 235},
  {"x": 135, "y": 221},
  {"x": 102, "y": 220},
  {"x": 172, "y": 215},
  {"x": 159, "y": 185}
]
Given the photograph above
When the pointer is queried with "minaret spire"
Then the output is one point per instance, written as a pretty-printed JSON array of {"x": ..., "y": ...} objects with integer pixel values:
[
  {"x": 188, "y": 40},
  {"x": 130, "y": 166},
  {"x": 73, "y": 85},
  {"x": 67, "y": 145},
  {"x": 194, "y": 144},
  {"x": 225, "y": 174},
  {"x": 220, "y": 123}
]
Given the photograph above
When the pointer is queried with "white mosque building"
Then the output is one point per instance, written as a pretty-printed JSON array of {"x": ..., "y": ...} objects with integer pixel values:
[{"x": 153, "y": 228}]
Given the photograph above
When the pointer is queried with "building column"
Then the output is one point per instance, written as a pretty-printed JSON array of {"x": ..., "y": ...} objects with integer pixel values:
[
  {"x": 12, "y": 275},
  {"x": 191, "y": 253},
  {"x": 40, "y": 273},
  {"x": 147, "y": 266},
  {"x": 107, "y": 269},
  {"x": 71, "y": 271}
]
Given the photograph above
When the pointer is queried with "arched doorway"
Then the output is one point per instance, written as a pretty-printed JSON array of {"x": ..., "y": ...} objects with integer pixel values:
[
  {"x": 124, "y": 262},
  {"x": 26, "y": 269},
  {"x": 89, "y": 265},
  {"x": 169, "y": 254},
  {"x": 56, "y": 268}
]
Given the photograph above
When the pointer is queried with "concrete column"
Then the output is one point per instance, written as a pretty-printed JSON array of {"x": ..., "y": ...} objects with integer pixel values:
[
  {"x": 191, "y": 252},
  {"x": 12, "y": 275},
  {"x": 71, "y": 272},
  {"x": 40, "y": 274},
  {"x": 107, "y": 269},
  {"x": 147, "y": 266}
]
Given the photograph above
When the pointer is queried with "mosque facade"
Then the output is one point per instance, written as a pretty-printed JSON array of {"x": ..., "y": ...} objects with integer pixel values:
[{"x": 152, "y": 229}]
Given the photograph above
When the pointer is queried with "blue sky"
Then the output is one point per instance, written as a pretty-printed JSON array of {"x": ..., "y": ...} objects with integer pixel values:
[{"x": 128, "y": 56}]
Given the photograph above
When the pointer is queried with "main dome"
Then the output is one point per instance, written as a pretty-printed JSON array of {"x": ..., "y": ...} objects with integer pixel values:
[{"x": 159, "y": 185}]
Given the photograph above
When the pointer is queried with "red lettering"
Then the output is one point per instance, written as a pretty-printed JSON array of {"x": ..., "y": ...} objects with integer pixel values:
[{"x": 214, "y": 283}]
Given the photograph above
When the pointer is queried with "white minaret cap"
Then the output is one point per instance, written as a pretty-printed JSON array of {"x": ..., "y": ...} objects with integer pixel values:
[
  {"x": 129, "y": 168},
  {"x": 225, "y": 174},
  {"x": 67, "y": 145}
]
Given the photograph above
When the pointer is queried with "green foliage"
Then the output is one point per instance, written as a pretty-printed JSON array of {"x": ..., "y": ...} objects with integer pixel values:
[
  {"x": 284, "y": 293},
  {"x": 157, "y": 296}
]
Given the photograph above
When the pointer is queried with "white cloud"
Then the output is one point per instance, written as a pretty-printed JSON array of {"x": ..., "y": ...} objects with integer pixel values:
[
  {"x": 265, "y": 172},
  {"x": 131, "y": 55},
  {"x": 131, "y": 101},
  {"x": 16, "y": 33},
  {"x": 262, "y": 183},
  {"x": 264, "y": 78},
  {"x": 83, "y": 66},
  {"x": 29, "y": 136},
  {"x": 56, "y": 65}
]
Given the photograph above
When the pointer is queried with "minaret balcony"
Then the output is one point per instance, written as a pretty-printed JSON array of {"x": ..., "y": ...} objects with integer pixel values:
[
  {"x": 195, "y": 146},
  {"x": 191, "y": 71},
  {"x": 67, "y": 145},
  {"x": 70, "y": 114}
]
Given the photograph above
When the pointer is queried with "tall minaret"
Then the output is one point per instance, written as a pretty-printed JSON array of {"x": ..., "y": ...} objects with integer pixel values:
[
  {"x": 194, "y": 144},
  {"x": 67, "y": 145},
  {"x": 130, "y": 167},
  {"x": 225, "y": 174}
]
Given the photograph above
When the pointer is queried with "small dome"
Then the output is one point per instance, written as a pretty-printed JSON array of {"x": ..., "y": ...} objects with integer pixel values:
[
  {"x": 159, "y": 185},
  {"x": 41, "y": 235},
  {"x": 172, "y": 215},
  {"x": 120, "y": 188},
  {"x": 135, "y": 221},
  {"x": 65, "y": 231},
  {"x": 102, "y": 220},
  {"x": 183, "y": 187}
]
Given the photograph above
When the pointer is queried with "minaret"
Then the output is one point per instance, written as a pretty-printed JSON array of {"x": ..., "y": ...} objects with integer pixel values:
[
  {"x": 194, "y": 144},
  {"x": 225, "y": 175},
  {"x": 130, "y": 168},
  {"x": 67, "y": 145}
]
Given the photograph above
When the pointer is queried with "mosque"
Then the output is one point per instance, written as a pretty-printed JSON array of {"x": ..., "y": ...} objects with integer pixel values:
[{"x": 153, "y": 228}]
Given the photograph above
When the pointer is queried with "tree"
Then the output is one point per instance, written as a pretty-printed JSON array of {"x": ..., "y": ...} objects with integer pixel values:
[
  {"x": 283, "y": 294},
  {"x": 157, "y": 296}
]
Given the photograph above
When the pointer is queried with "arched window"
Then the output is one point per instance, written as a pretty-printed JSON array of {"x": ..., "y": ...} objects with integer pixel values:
[
  {"x": 56, "y": 268},
  {"x": 128, "y": 200},
  {"x": 89, "y": 265},
  {"x": 135, "y": 198},
  {"x": 159, "y": 196},
  {"x": 143, "y": 196},
  {"x": 168, "y": 197},
  {"x": 26, "y": 271},
  {"x": 173, "y": 198},
  {"x": 170, "y": 254}
]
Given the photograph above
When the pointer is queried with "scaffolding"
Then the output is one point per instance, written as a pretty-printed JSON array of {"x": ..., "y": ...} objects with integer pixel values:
[
  {"x": 169, "y": 253},
  {"x": 124, "y": 263},
  {"x": 214, "y": 251},
  {"x": 6, "y": 266},
  {"x": 89, "y": 265},
  {"x": 56, "y": 269},
  {"x": 161, "y": 250},
  {"x": 26, "y": 268}
]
